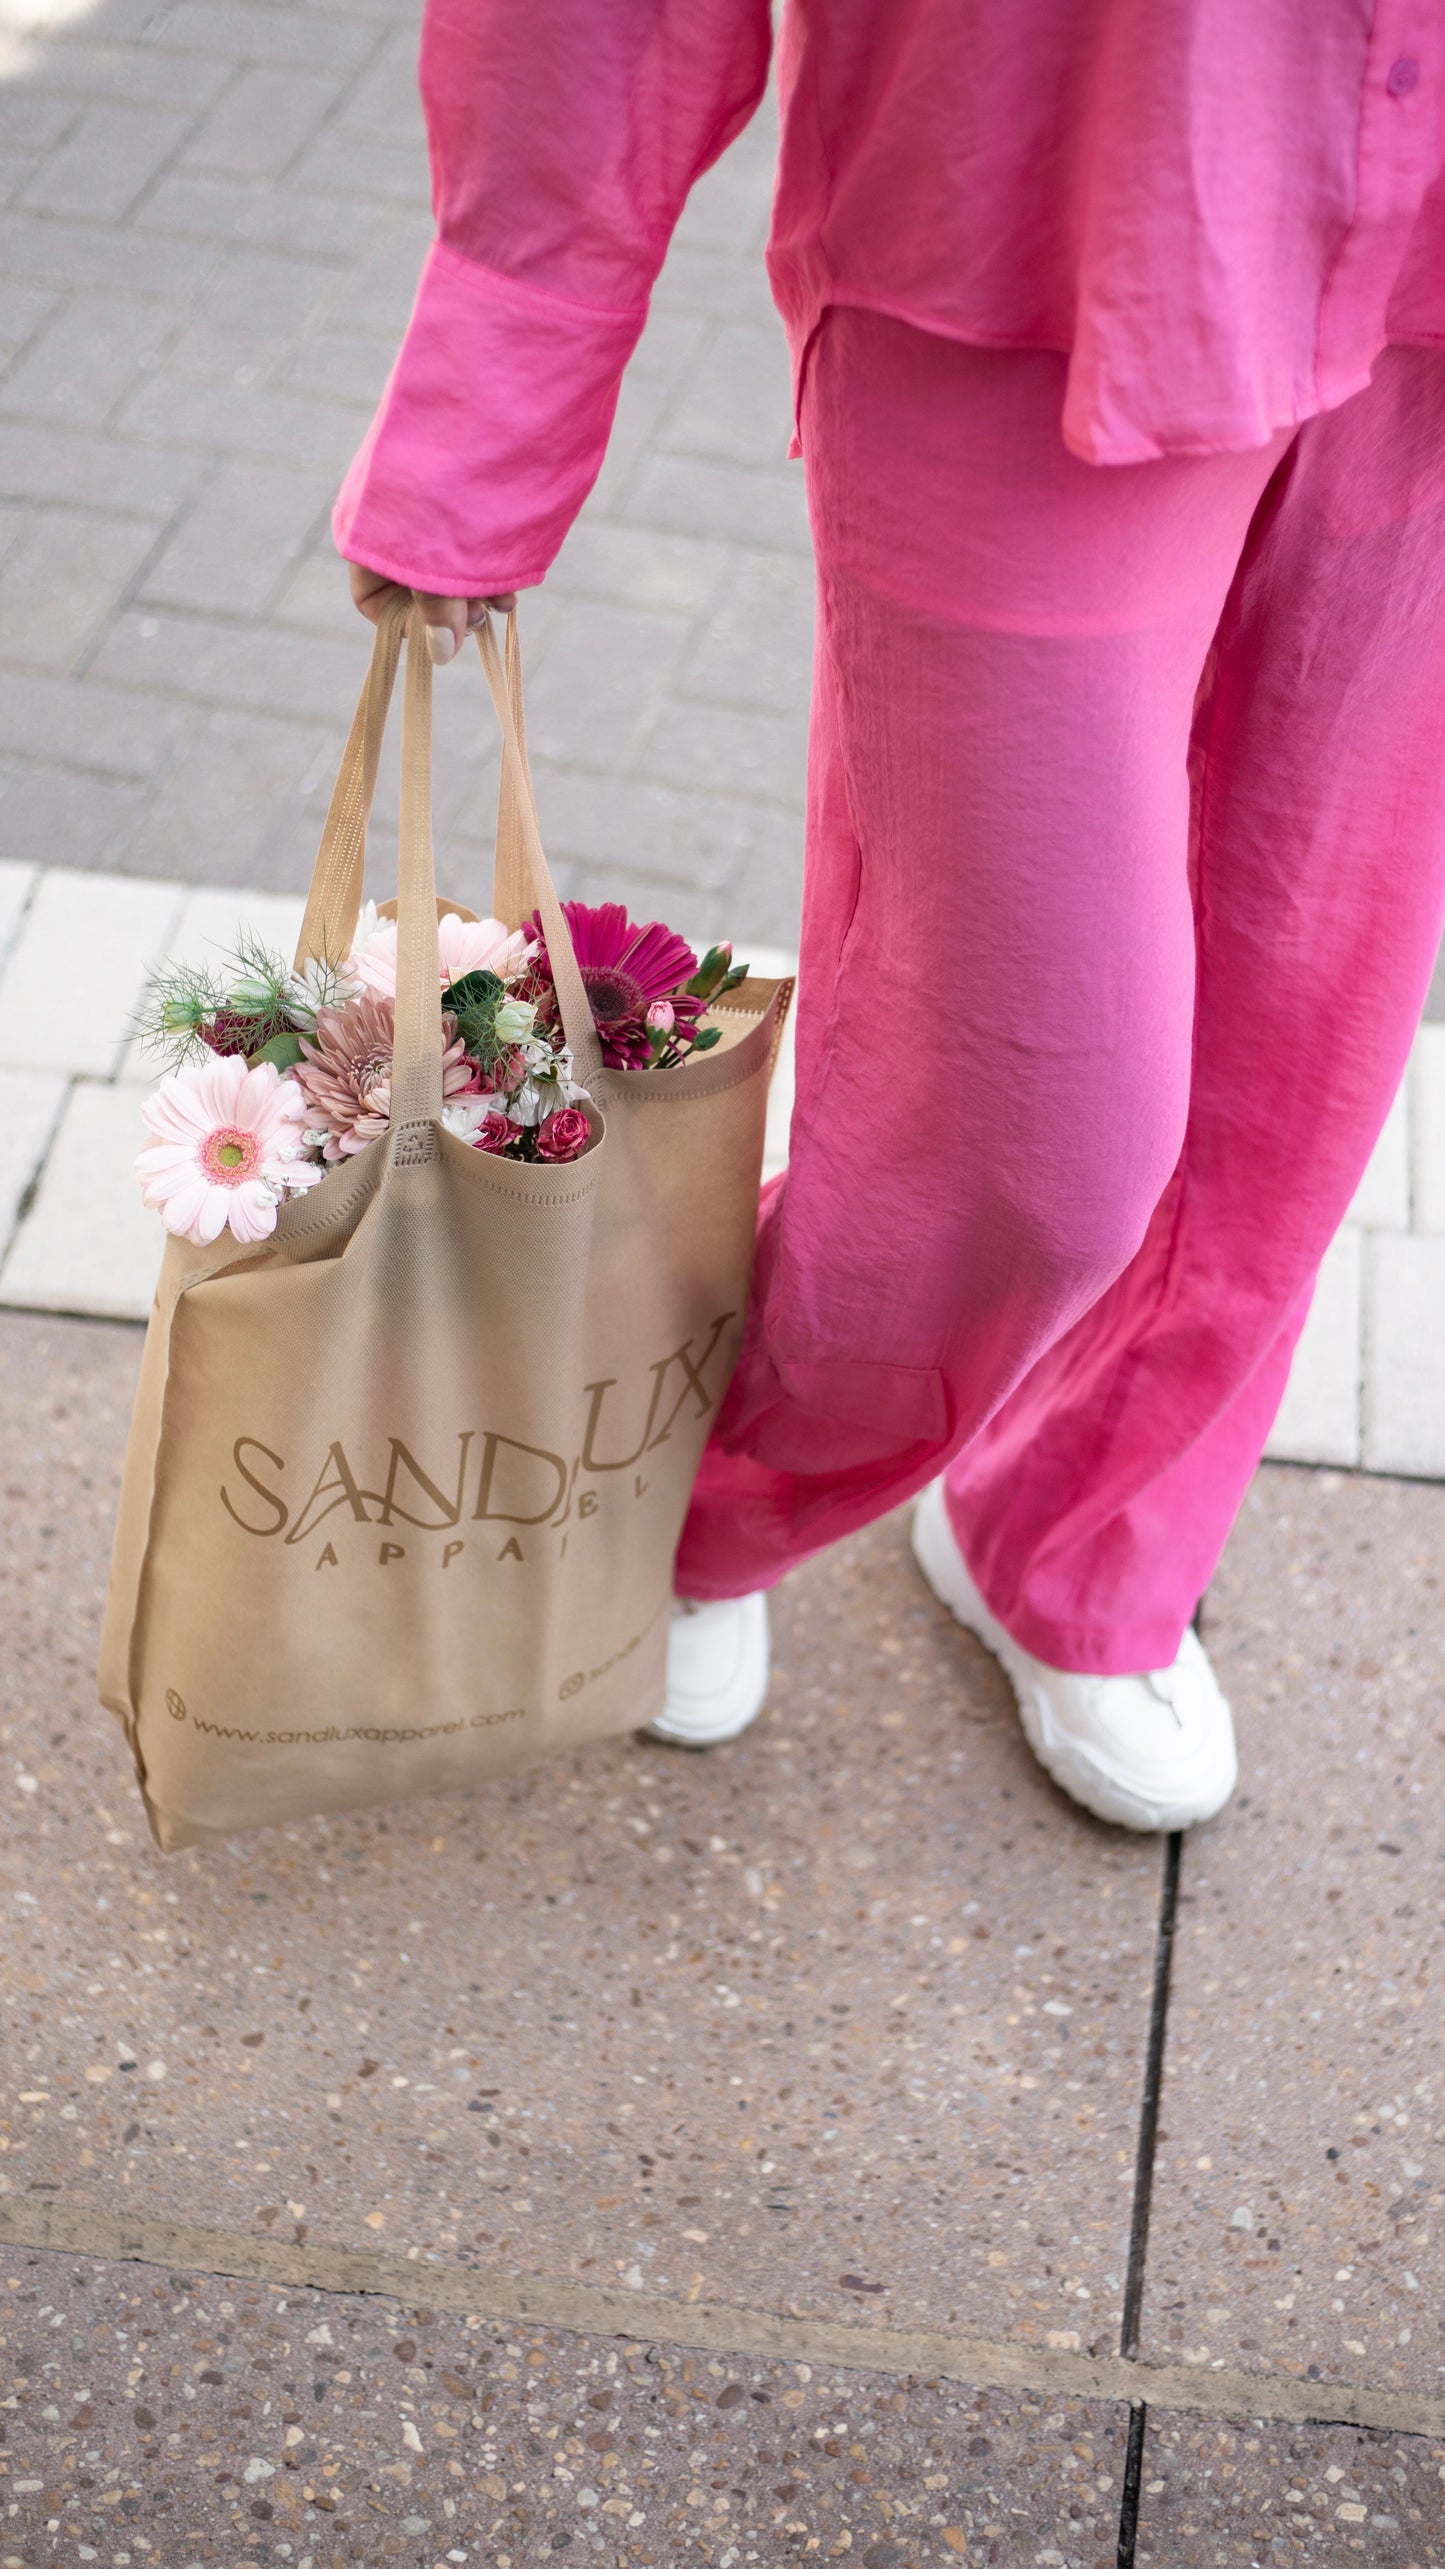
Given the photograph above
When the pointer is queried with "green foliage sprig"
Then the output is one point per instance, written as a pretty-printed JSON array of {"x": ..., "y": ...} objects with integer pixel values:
[
  {"x": 178, "y": 999},
  {"x": 251, "y": 1002}
]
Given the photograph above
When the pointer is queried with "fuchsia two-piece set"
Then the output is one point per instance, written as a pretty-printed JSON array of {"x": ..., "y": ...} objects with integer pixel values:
[{"x": 1119, "y": 339}]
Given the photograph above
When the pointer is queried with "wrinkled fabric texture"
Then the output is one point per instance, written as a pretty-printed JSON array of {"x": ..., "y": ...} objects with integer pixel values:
[
  {"x": 1125, "y": 877},
  {"x": 1218, "y": 210}
]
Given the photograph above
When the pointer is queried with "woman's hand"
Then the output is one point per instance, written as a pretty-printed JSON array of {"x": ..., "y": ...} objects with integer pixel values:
[{"x": 448, "y": 620}]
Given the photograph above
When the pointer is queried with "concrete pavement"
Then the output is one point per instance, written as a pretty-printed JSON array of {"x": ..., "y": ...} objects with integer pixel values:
[{"x": 821, "y": 2065}]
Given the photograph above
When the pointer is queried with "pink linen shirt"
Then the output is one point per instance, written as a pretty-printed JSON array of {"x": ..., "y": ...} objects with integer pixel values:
[{"x": 1219, "y": 210}]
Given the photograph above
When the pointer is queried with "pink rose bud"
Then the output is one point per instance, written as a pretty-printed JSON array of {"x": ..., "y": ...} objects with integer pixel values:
[{"x": 662, "y": 1017}]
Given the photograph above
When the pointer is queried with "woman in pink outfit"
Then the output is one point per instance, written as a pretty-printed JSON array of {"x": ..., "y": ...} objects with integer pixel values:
[{"x": 1117, "y": 329}]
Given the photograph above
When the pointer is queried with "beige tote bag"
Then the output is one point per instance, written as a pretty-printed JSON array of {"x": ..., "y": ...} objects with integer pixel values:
[{"x": 405, "y": 1481}]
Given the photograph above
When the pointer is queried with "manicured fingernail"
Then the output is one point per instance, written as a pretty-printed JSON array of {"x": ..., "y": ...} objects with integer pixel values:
[{"x": 441, "y": 642}]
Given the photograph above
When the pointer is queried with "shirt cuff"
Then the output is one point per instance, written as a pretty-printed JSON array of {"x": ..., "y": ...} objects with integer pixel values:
[{"x": 489, "y": 435}]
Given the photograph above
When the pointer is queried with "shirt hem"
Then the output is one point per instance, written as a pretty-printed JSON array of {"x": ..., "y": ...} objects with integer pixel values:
[{"x": 802, "y": 318}]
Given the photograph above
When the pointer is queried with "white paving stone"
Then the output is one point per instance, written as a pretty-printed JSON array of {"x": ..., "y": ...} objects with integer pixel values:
[
  {"x": 30, "y": 1103},
  {"x": 17, "y": 882},
  {"x": 1382, "y": 1198},
  {"x": 1319, "y": 1417},
  {"x": 1428, "y": 1121},
  {"x": 77, "y": 969},
  {"x": 88, "y": 1244},
  {"x": 205, "y": 933},
  {"x": 1404, "y": 1407}
]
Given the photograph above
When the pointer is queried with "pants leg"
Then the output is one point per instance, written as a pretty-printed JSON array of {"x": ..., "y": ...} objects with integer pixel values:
[
  {"x": 1094, "y": 1506},
  {"x": 998, "y": 937}
]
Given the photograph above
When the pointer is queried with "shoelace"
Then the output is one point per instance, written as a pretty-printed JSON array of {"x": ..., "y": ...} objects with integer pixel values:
[{"x": 1161, "y": 1683}]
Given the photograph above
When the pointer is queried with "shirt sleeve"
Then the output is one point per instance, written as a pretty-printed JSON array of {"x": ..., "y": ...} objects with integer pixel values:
[{"x": 564, "y": 137}]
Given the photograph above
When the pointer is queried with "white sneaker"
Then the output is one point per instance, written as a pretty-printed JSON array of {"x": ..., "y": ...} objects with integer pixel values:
[
  {"x": 1149, "y": 1752},
  {"x": 717, "y": 1670}
]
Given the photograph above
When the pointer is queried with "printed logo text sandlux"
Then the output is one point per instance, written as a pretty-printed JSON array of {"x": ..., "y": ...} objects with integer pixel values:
[{"x": 488, "y": 1479}]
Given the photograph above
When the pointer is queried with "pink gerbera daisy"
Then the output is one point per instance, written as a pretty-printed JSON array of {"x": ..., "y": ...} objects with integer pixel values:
[
  {"x": 624, "y": 969},
  {"x": 227, "y": 1149},
  {"x": 463, "y": 945},
  {"x": 345, "y": 1073}
]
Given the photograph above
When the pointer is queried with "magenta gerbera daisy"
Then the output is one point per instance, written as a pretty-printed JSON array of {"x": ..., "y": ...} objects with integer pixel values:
[{"x": 624, "y": 969}]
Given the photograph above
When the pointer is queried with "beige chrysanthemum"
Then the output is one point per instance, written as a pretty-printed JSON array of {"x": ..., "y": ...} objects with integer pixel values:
[{"x": 345, "y": 1073}]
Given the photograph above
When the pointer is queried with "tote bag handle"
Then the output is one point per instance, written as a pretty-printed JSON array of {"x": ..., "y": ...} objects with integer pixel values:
[
  {"x": 572, "y": 1000},
  {"x": 510, "y": 876},
  {"x": 334, "y": 901}
]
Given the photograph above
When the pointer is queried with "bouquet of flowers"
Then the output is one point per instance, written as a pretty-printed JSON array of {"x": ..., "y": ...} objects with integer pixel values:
[{"x": 276, "y": 1075}]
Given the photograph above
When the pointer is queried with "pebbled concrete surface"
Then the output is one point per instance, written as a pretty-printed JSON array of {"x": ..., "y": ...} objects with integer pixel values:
[
  {"x": 1215, "y": 2496},
  {"x": 883, "y": 2062},
  {"x": 846, "y": 2020},
  {"x": 1301, "y": 2164},
  {"x": 171, "y": 2418}
]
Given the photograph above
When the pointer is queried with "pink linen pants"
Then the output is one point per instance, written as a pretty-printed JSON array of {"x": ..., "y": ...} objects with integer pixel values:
[{"x": 1125, "y": 876}]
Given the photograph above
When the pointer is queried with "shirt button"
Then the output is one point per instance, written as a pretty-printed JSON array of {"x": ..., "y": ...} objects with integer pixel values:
[{"x": 1402, "y": 75}]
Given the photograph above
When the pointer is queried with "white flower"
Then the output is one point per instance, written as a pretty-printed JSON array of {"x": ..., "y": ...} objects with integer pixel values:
[
  {"x": 319, "y": 984},
  {"x": 465, "y": 1116},
  {"x": 514, "y": 1021},
  {"x": 569, "y": 1092},
  {"x": 548, "y": 1085}
]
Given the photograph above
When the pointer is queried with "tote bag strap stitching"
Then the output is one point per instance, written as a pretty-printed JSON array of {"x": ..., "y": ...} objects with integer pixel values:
[
  {"x": 509, "y": 875},
  {"x": 782, "y": 1000},
  {"x": 416, "y": 1064},
  {"x": 572, "y": 998},
  {"x": 334, "y": 899}
]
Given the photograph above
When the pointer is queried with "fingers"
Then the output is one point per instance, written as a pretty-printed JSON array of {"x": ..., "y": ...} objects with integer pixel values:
[
  {"x": 448, "y": 621},
  {"x": 369, "y": 591},
  {"x": 446, "y": 624}
]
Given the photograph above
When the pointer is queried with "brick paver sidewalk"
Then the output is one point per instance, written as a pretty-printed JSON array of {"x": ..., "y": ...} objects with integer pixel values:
[
  {"x": 215, "y": 217},
  {"x": 655, "y": 2160}
]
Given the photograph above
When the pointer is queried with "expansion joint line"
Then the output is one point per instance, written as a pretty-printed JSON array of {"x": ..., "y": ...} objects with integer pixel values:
[
  {"x": 1144, "y": 2191},
  {"x": 711, "y": 2327}
]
